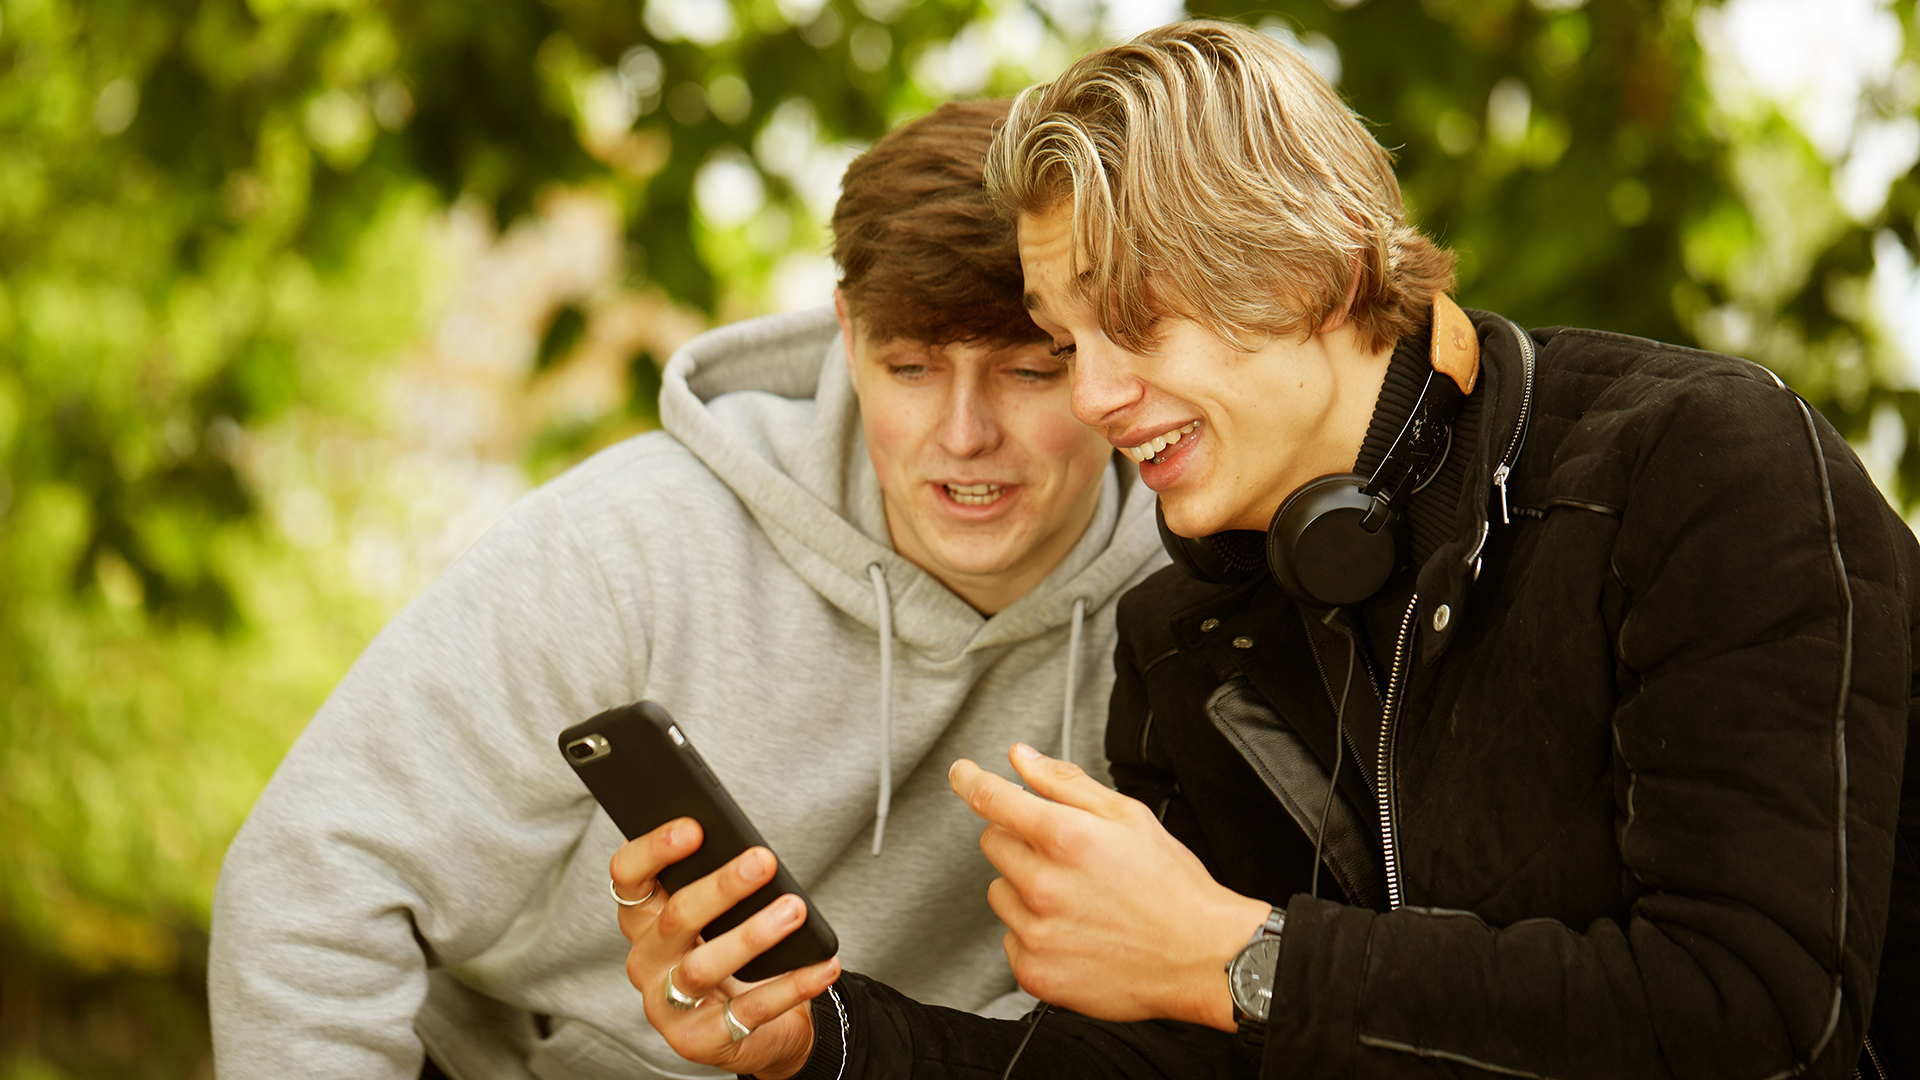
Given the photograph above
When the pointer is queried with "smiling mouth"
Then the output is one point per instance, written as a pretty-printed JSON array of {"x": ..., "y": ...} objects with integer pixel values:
[
  {"x": 975, "y": 494},
  {"x": 1158, "y": 443}
]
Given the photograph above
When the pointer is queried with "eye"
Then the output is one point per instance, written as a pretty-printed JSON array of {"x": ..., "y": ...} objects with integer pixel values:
[
  {"x": 1036, "y": 375},
  {"x": 1061, "y": 352},
  {"x": 908, "y": 372}
]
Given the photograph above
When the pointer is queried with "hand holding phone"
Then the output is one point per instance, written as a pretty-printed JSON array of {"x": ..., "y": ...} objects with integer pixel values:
[
  {"x": 645, "y": 772},
  {"x": 692, "y": 997}
]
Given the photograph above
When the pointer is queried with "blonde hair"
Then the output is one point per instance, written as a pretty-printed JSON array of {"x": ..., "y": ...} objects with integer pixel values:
[{"x": 1213, "y": 173}]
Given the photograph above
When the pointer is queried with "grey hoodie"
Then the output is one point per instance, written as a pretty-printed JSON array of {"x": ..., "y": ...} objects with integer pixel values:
[{"x": 424, "y": 866}]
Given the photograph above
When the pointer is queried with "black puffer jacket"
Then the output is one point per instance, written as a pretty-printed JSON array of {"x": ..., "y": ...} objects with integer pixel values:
[{"x": 1645, "y": 767}]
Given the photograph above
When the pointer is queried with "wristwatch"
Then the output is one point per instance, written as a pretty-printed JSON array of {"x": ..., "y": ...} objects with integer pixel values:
[{"x": 1250, "y": 978}]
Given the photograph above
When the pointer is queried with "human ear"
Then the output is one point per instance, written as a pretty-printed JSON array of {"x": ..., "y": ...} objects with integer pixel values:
[
  {"x": 1338, "y": 316},
  {"x": 846, "y": 328}
]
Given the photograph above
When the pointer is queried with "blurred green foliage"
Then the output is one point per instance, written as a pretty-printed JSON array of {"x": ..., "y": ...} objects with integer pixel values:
[
  {"x": 216, "y": 220},
  {"x": 222, "y": 222},
  {"x": 1575, "y": 156}
]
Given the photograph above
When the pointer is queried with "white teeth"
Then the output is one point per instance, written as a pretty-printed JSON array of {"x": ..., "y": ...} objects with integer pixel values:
[
  {"x": 1160, "y": 442},
  {"x": 975, "y": 494}
]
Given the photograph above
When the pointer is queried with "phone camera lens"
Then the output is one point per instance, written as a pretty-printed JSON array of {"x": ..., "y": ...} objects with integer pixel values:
[{"x": 591, "y": 748}]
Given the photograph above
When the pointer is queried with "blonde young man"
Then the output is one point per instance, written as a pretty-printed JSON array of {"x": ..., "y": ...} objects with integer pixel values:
[
  {"x": 1524, "y": 703},
  {"x": 870, "y": 538}
]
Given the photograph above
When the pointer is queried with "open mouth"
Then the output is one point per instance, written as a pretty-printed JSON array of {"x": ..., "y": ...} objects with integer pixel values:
[
  {"x": 975, "y": 494},
  {"x": 1155, "y": 446}
]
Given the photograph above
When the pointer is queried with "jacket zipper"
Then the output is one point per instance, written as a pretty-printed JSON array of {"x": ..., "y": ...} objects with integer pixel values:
[
  {"x": 1383, "y": 777},
  {"x": 1505, "y": 467},
  {"x": 1873, "y": 1058},
  {"x": 1389, "y": 711}
]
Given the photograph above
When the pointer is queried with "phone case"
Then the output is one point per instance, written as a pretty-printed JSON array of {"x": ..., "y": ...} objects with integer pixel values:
[{"x": 645, "y": 772}]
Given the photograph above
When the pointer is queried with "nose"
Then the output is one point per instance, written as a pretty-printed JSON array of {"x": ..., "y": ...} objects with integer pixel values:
[
  {"x": 971, "y": 425},
  {"x": 1102, "y": 386}
]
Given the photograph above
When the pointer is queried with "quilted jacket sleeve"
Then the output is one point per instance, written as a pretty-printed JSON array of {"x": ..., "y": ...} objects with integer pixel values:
[{"x": 890, "y": 1035}]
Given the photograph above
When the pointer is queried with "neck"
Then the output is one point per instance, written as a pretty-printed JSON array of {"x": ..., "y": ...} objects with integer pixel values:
[{"x": 1357, "y": 374}]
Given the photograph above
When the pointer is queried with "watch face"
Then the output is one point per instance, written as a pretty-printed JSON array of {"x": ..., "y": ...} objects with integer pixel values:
[{"x": 1251, "y": 978}]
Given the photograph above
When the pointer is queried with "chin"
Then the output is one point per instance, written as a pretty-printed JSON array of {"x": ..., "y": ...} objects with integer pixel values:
[
  {"x": 1187, "y": 520},
  {"x": 1193, "y": 526},
  {"x": 975, "y": 560},
  {"x": 974, "y": 566}
]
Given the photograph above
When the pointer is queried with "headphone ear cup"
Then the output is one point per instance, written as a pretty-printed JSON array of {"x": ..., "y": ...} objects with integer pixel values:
[
  {"x": 1319, "y": 552},
  {"x": 1227, "y": 558}
]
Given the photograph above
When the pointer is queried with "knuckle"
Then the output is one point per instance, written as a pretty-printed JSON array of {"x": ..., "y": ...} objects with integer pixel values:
[
  {"x": 981, "y": 799},
  {"x": 1039, "y": 895},
  {"x": 691, "y": 973},
  {"x": 1046, "y": 896},
  {"x": 763, "y": 931},
  {"x": 1064, "y": 770},
  {"x": 673, "y": 921},
  {"x": 1074, "y": 833},
  {"x": 1041, "y": 934},
  {"x": 626, "y": 864},
  {"x": 1032, "y": 978}
]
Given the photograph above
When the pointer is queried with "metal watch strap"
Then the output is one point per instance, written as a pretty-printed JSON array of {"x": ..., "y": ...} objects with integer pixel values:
[{"x": 1276, "y": 922}]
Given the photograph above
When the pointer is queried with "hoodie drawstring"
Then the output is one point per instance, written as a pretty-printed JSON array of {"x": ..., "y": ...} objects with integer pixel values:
[
  {"x": 885, "y": 603},
  {"x": 1073, "y": 677}
]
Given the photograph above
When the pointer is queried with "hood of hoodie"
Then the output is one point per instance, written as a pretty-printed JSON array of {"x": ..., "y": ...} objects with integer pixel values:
[{"x": 768, "y": 406}]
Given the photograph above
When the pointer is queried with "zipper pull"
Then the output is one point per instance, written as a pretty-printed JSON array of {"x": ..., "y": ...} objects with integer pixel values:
[{"x": 1500, "y": 479}]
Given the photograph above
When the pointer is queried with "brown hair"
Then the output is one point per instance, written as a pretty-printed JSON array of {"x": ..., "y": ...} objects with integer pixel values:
[
  {"x": 1213, "y": 172},
  {"x": 923, "y": 252}
]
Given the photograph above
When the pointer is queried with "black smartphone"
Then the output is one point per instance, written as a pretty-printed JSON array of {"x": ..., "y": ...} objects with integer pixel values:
[{"x": 645, "y": 772}]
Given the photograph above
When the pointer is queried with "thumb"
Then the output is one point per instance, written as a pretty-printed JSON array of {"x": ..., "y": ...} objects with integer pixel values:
[{"x": 1064, "y": 782}]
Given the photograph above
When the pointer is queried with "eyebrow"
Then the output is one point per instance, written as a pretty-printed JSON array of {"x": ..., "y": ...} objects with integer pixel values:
[{"x": 1032, "y": 302}]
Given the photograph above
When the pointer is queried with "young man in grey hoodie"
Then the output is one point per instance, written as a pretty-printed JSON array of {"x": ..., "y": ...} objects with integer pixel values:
[{"x": 870, "y": 540}]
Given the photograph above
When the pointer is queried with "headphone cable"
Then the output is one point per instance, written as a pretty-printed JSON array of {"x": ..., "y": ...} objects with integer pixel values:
[
  {"x": 1033, "y": 1024},
  {"x": 1339, "y": 754}
]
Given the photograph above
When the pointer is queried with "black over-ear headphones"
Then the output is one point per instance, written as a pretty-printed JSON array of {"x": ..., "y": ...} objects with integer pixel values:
[{"x": 1337, "y": 539}]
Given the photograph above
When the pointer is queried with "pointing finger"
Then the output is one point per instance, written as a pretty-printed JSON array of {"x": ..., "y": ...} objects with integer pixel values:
[
  {"x": 998, "y": 800},
  {"x": 1068, "y": 784}
]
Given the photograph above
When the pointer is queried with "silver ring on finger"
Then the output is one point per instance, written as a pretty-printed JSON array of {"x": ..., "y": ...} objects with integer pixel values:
[
  {"x": 678, "y": 1000},
  {"x": 623, "y": 901},
  {"x": 735, "y": 1029}
]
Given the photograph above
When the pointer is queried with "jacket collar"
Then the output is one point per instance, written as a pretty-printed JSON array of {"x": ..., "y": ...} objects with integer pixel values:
[
  {"x": 1502, "y": 402},
  {"x": 1452, "y": 351}
]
